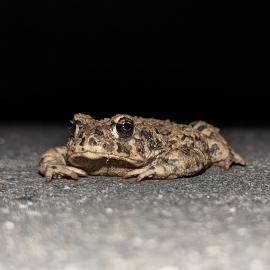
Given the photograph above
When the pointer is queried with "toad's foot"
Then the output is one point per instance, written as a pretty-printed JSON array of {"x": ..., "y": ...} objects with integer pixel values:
[
  {"x": 62, "y": 171},
  {"x": 151, "y": 171},
  {"x": 53, "y": 165}
]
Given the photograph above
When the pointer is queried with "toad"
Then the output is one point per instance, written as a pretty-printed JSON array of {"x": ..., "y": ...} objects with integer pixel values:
[{"x": 129, "y": 146}]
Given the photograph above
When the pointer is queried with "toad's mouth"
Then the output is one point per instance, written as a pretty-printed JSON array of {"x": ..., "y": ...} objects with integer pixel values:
[
  {"x": 102, "y": 158},
  {"x": 100, "y": 165}
]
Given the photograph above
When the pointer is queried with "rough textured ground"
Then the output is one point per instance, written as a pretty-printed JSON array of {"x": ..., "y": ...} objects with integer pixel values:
[{"x": 217, "y": 220}]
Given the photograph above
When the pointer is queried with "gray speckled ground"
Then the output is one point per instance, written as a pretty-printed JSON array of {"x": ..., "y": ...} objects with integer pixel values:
[{"x": 217, "y": 220}]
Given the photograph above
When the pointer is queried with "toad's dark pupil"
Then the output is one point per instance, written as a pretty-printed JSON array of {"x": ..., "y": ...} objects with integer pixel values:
[
  {"x": 124, "y": 128},
  {"x": 127, "y": 126}
]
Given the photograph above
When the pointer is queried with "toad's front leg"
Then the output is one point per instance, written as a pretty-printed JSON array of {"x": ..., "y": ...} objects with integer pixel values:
[
  {"x": 53, "y": 165},
  {"x": 172, "y": 164}
]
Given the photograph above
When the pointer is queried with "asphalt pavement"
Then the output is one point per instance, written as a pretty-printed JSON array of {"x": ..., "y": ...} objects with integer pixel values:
[{"x": 216, "y": 220}]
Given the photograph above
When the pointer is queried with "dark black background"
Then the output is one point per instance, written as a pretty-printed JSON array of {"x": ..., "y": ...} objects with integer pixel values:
[{"x": 185, "y": 60}]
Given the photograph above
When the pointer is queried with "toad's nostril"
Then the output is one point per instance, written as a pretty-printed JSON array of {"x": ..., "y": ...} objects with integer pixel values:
[
  {"x": 92, "y": 141},
  {"x": 82, "y": 141}
]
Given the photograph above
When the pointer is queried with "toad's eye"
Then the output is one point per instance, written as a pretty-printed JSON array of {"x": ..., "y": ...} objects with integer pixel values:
[
  {"x": 72, "y": 127},
  {"x": 124, "y": 127}
]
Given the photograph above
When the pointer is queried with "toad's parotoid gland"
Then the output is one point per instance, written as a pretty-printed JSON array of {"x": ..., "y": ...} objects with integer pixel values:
[{"x": 129, "y": 146}]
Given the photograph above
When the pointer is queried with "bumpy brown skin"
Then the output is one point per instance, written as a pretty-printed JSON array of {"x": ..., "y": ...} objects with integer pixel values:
[{"x": 155, "y": 149}]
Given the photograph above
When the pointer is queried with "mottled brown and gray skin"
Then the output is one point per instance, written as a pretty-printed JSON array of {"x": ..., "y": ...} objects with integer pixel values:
[{"x": 156, "y": 149}]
